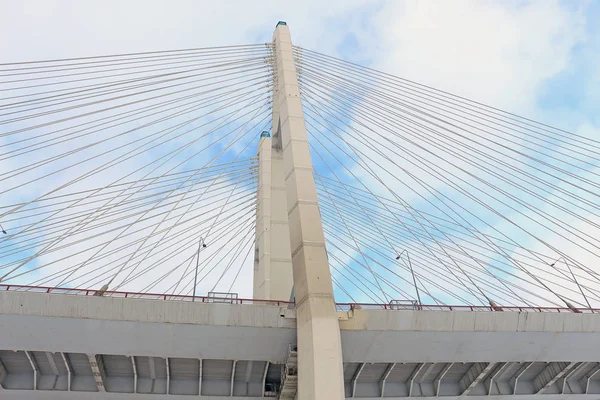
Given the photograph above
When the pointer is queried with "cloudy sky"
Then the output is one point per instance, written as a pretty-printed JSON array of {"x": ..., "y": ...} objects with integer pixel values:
[
  {"x": 531, "y": 57},
  {"x": 539, "y": 59}
]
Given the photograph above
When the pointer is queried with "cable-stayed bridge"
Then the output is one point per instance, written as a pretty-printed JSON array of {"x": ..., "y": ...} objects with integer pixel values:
[{"x": 267, "y": 221}]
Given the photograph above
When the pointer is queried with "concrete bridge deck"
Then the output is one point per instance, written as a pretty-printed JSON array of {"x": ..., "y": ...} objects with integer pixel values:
[{"x": 58, "y": 346}]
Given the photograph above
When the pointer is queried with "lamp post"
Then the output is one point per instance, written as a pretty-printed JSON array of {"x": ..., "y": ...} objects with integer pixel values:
[
  {"x": 412, "y": 273},
  {"x": 201, "y": 245}
]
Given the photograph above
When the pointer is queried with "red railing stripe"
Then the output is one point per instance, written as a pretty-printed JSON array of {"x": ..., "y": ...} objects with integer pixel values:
[{"x": 342, "y": 306}]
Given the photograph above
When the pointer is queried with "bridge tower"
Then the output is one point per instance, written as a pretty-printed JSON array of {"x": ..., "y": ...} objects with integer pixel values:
[{"x": 290, "y": 244}]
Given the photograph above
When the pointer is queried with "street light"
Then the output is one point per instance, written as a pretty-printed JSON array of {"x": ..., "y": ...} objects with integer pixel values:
[
  {"x": 201, "y": 245},
  {"x": 412, "y": 273}
]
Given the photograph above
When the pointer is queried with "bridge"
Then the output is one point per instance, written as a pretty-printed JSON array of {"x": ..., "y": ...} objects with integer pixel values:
[{"x": 393, "y": 240}]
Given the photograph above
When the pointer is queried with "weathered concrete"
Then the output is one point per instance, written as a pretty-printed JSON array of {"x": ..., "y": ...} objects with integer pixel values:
[
  {"x": 273, "y": 260},
  {"x": 434, "y": 336},
  {"x": 27, "y": 395},
  {"x": 405, "y": 353},
  {"x": 320, "y": 372},
  {"x": 104, "y": 325}
]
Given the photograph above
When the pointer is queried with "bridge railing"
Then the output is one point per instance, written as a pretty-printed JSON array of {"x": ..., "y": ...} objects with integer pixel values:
[
  {"x": 408, "y": 305},
  {"x": 436, "y": 307},
  {"x": 139, "y": 295}
]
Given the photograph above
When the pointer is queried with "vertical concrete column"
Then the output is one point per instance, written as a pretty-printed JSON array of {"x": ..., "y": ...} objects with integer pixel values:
[
  {"x": 282, "y": 279},
  {"x": 273, "y": 279},
  {"x": 262, "y": 252},
  {"x": 320, "y": 372}
]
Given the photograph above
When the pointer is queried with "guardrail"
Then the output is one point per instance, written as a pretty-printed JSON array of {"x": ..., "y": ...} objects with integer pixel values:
[
  {"x": 339, "y": 306},
  {"x": 425, "y": 307},
  {"x": 138, "y": 295}
]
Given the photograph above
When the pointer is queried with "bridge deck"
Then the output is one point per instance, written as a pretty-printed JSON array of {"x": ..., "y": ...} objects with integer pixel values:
[{"x": 52, "y": 343}]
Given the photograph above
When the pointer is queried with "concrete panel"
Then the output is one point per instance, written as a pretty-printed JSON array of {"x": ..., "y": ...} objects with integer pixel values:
[
  {"x": 148, "y": 339},
  {"x": 49, "y": 395},
  {"x": 120, "y": 309},
  {"x": 432, "y": 346}
]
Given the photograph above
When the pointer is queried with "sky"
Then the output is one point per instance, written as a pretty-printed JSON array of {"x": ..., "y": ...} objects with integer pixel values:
[{"x": 539, "y": 59}]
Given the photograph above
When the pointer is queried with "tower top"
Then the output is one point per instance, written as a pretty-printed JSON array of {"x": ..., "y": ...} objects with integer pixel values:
[{"x": 281, "y": 23}]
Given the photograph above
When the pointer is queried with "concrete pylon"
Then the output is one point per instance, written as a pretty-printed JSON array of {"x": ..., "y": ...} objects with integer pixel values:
[
  {"x": 320, "y": 371},
  {"x": 273, "y": 278}
]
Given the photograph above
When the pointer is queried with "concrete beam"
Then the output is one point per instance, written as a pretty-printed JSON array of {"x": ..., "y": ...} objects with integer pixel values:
[
  {"x": 135, "y": 374},
  {"x": 248, "y": 375},
  {"x": 437, "y": 383},
  {"x": 200, "y": 374},
  {"x": 515, "y": 379},
  {"x": 169, "y": 375},
  {"x": 576, "y": 381},
  {"x": 97, "y": 370},
  {"x": 387, "y": 372},
  {"x": 61, "y": 395},
  {"x": 152, "y": 369},
  {"x": 69, "y": 372},
  {"x": 53, "y": 367},
  {"x": 497, "y": 375},
  {"x": 232, "y": 377},
  {"x": 591, "y": 376},
  {"x": 355, "y": 377},
  {"x": 427, "y": 372},
  {"x": 473, "y": 376},
  {"x": 549, "y": 375},
  {"x": 264, "y": 378},
  {"x": 3, "y": 373},
  {"x": 35, "y": 369},
  {"x": 412, "y": 377}
]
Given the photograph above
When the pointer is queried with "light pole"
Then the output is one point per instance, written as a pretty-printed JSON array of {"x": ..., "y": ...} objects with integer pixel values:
[
  {"x": 412, "y": 273},
  {"x": 201, "y": 245}
]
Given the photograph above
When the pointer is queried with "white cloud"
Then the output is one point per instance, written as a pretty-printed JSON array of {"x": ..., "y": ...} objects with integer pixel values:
[{"x": 498, "y": 53}]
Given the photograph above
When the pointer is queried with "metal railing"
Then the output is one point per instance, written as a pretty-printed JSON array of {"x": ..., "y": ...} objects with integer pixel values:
[
  {"x": 427, "y": 307},
  {"x": 138, "y": 295},
  {"x": 395, "y": 305}
]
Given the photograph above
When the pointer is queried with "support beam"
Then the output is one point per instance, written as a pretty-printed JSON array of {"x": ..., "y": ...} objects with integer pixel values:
[
  {"x": 232, "y": 377},
  {"x": 264, "y": 378},
  {"x": 412, "y": 377},
  {"x": 519, "y": 374},
  {"x": 320, "y": 373},
  {"x": 437, "y": 383},
  {"x": 573, "y": 373},
  {"x": 200, "y": 372},
  {"x": 69, "y": 373},
  {"x": 3, "y": 373},
  {"x": 35, "y": 369},
  {"x": 428, "y": 372},
  {"x": 248, "y": 375},
  {"x": 53, "y": 367},
  {"x": 355, "y": 378},
  {"x": 97, "y": 368},
  {"x": 495, "y": 376},
  {"x": 387, "y": 372},
  {"x": 593, "y": 373},
  {"x": 549, "y": 375},
  {"x": 169, "y": 375},
  {"x": 135, "y": 375},
  {"x": 152, "y": 368},
  {"x": 473, "y": 376}
]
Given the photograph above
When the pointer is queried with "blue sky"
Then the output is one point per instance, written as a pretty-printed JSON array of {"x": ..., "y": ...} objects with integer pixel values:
[{"x": 539, "y": 59}]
